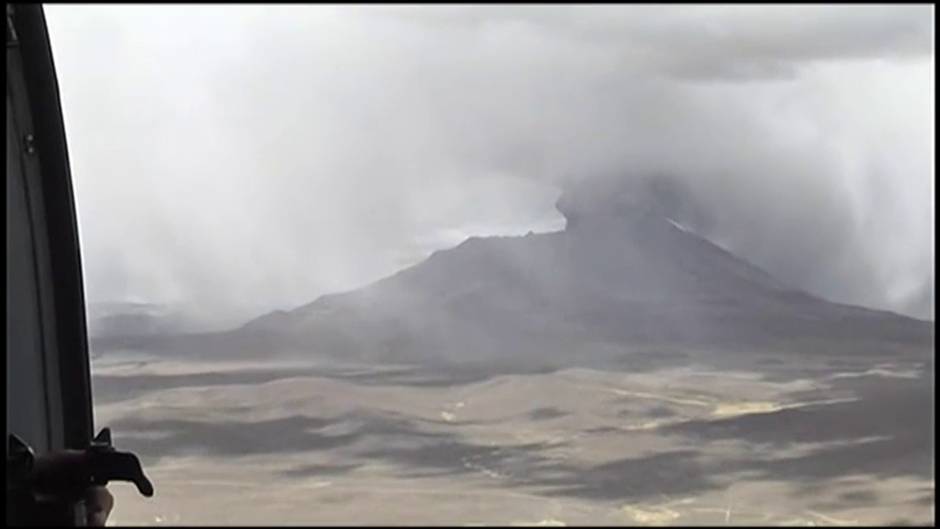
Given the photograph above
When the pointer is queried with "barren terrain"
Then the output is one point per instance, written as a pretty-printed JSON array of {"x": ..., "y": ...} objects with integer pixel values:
[{"x": 777, "y": 444}]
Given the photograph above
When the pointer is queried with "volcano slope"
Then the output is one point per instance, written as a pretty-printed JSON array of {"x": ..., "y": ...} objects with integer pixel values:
[{"x": 625, "y": 283}]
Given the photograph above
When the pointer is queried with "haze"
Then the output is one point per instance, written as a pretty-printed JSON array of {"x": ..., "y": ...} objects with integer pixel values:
[{"x": 237, "y": 159}]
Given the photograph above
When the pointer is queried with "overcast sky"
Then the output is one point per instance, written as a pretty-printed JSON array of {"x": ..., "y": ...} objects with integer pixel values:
[{"x": 237, "y": 159}]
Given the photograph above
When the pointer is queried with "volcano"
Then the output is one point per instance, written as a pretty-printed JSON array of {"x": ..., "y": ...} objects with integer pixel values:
[{"x": 623, "y": 276}]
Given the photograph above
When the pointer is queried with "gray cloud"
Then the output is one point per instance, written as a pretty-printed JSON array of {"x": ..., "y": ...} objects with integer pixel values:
[{"x": 243, "y": 158}]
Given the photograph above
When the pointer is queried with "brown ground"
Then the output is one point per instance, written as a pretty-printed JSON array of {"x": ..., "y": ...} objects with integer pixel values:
[{"x": 302, "y": 444}]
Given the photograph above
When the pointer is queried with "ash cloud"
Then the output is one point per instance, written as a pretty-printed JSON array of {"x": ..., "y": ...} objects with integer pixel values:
[{"x": 238, "y": 159}]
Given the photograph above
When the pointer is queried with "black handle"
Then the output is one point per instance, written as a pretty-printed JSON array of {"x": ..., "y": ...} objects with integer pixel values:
[
  {"x": 120, "y": 466},
  {"x": 69, "y": 473},
  {"x": 110, "y": 465}
]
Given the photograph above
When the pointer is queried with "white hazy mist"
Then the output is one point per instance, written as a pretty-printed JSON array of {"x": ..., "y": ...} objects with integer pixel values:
[{"x": 235, "y": 159}]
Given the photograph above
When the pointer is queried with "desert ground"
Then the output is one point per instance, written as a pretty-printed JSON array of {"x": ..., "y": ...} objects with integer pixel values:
[{"x": 765, "y": 442}]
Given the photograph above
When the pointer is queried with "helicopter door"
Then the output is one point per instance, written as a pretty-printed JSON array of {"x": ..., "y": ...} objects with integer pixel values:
[{"x": 48, "y": 397}]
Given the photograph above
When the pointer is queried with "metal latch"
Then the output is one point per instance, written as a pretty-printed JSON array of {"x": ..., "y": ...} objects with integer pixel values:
[{"x": 51, "y": 486}]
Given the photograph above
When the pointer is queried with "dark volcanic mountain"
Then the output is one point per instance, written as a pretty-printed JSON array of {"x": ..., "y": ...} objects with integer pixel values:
[{"x": 622, "y": 277}]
